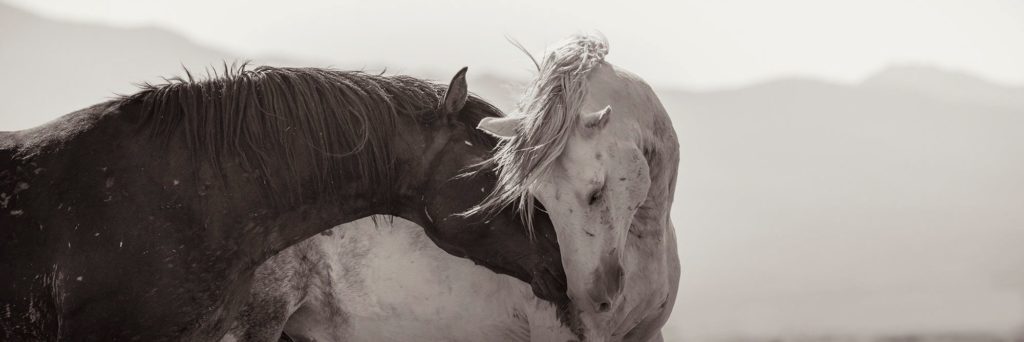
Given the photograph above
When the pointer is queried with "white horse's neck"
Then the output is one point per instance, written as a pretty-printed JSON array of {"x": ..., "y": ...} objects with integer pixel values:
[
  {"x": 640, "y": 116},
  {"x": 651, "y": 259}
]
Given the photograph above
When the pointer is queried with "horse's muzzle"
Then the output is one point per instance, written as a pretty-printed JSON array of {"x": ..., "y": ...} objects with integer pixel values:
[{"x": 606, "y": 285}]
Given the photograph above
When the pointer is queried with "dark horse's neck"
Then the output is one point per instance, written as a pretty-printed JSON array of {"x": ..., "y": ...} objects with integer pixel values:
[{"x": 314, "y": 158}]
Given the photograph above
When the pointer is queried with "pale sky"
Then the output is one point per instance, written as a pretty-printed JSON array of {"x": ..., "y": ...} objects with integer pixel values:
[{"x": 707, "y": 44}]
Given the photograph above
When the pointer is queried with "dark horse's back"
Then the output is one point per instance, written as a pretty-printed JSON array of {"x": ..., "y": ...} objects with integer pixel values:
[
  {"x": 28, "y": 290},
  {"x": 63, "y": 239},
  {"x": 23, "y": 257},
  {"x": 33, "y": 285}
]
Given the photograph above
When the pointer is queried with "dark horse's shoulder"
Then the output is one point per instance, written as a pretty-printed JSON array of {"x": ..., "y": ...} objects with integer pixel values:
[
  {"x": 52, "y": 135},
  {"x": 25, "y": 154}
]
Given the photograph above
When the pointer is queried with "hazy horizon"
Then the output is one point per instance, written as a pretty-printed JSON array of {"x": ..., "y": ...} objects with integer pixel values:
[{"x": 697, "y": 45}]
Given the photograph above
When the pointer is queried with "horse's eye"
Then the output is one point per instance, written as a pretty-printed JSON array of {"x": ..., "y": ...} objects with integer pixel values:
[{"x": 596, "y": 196}]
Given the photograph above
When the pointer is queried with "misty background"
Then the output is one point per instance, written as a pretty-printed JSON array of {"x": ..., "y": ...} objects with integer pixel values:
[{"x": 849, "y": 170}]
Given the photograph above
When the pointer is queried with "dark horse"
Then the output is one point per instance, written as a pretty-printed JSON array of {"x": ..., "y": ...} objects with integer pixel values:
[{"x": 143, "y": 218}]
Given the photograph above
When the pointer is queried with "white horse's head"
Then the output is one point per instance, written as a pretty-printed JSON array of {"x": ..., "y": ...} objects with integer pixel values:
[{"x": 570, "y": 149}]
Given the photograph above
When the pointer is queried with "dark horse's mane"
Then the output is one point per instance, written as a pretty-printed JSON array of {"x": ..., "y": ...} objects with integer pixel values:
[{"x": 280, "y": 121}]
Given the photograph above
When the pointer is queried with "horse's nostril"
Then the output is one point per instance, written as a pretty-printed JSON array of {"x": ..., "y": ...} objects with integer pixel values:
[{"x": 603, "y": 307}]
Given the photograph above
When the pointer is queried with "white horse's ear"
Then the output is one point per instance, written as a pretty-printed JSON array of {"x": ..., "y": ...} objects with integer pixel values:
[
  {"x": 501, "y": 128},
  {"x": 598, "y": 119}
]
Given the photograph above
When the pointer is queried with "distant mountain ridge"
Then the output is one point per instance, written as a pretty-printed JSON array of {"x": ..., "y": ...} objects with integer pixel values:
[
  {"x": 58, "y": 67},
  {"x": 947, "y": 85},
  {"x": 35, "y": 48},
  {"x": 83, "y": 64}
]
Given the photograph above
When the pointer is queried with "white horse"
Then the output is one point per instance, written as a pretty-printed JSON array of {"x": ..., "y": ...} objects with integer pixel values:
[
  {"x": 607, "y": 180},
  {"x": 594, "y": 145}
]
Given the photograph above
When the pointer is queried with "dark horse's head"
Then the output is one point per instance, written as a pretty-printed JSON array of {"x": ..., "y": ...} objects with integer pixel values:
[{"x": 496, "y": 241}]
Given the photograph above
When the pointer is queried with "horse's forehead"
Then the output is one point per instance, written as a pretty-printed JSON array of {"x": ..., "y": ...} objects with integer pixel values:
[
  {"x": 599, "y": 153},
  {"x": 582, "y": 153}
]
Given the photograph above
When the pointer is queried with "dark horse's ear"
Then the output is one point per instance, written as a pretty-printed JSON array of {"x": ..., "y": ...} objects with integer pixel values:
[{"x": 455, "y": 97}]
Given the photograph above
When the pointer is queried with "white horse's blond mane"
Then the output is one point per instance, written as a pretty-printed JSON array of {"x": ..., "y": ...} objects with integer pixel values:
[{"x": 551, "y": 109}]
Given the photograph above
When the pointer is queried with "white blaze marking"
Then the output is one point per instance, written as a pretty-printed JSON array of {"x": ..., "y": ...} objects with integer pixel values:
[
  {"x": 468, "y": 143},
  {"x": 79, "y": 278}
]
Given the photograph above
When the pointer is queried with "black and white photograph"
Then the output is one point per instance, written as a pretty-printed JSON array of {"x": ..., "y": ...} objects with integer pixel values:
[{"x": 496, "y": 170}]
